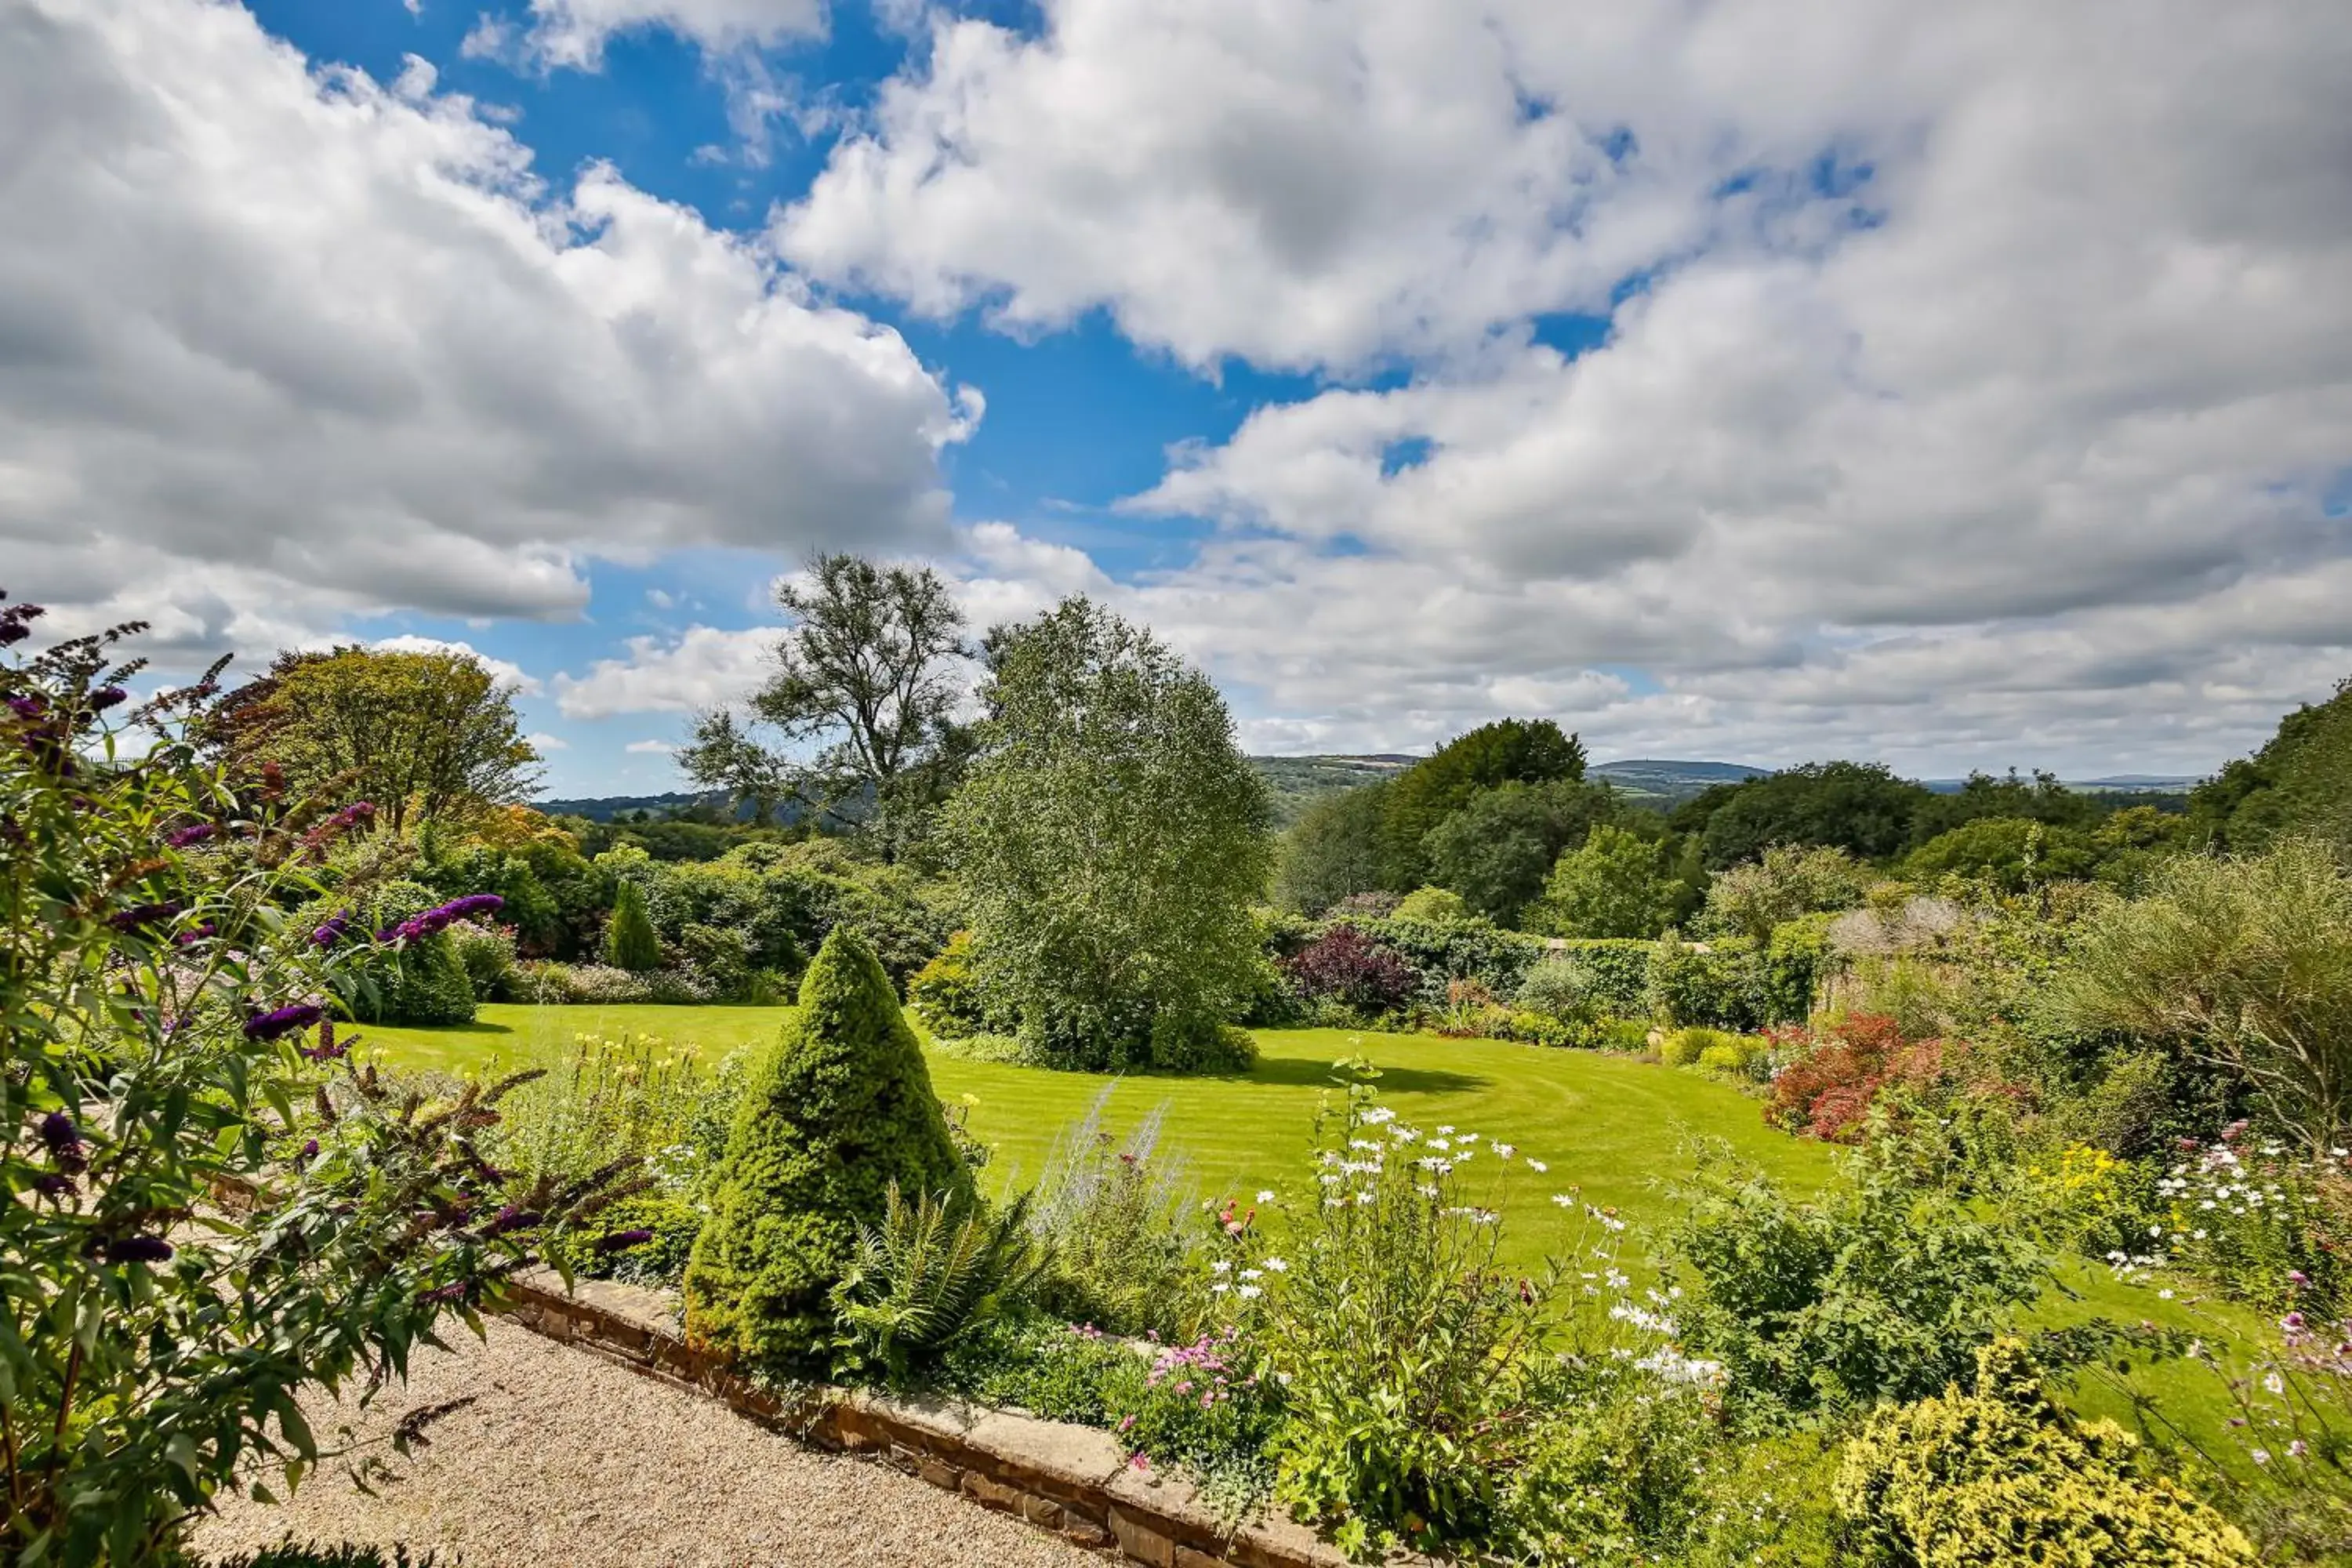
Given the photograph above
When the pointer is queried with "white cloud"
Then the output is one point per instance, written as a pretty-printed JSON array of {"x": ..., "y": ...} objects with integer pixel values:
[
  {"x": 702, "y": 667},
  {"x": 649, "y": 748},
  {"x": 505, "y": 672},
  {"x": 1984, "y": 383},
  {"x": 277, "y": 347},
  {"x": 573, "y": 32},
  {"x": 540, "y": 741}
]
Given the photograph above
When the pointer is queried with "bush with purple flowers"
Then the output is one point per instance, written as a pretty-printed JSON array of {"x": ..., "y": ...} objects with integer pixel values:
[
  {"x": 1345, "y": 966},
  {"x": 197, "y": 1228}
]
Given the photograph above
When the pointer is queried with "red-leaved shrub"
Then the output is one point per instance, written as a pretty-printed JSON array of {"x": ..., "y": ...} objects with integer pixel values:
[
  {"x": 1827, "y": 1092},
  {"x": 1345, "y": 965}
]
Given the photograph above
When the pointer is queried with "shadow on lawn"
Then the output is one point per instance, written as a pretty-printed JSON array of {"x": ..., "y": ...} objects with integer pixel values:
[{"x": 1316, "y": 1072}]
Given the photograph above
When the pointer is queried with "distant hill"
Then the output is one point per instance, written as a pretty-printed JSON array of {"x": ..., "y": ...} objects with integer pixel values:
[
  {"x": 1297, "y": 781},
  {"x": 1664, "y": 784}
]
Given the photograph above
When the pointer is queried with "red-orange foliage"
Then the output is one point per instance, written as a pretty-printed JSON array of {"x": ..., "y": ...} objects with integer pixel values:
[{"x": 1827, "y": 1092}]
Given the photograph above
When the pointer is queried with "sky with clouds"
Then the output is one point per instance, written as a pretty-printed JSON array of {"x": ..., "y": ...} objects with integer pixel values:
[{"x": 1955, "y": 385}]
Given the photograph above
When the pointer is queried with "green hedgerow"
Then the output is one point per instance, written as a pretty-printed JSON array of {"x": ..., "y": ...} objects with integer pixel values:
[
  {"x": 2001, "y": 1478},
  {"x": 842, "y": 1108}
]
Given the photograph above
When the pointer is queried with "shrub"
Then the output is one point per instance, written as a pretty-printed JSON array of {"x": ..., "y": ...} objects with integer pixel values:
[
  {"x": 1620, "y": 971},
  {"x": 1786, "y": 881},
  {"x": 1366, "y": 905},
  {"x": 487, "y": 952},
  {"x": 1404, "y": 1351},
  {"x": 1683, "y": 1047},
  {"x": 1434, "y": 905},
  {"x": 944, "y": 995},
  {"x": 2000, "y": 1478},
  {"x": 629, "y": 940},
  {"x": 1712, "y": 987},
  {"x": 1840, "y": 1071},
  {"x": 2263, "y": 1225},
  {"x": 717, "y": 959},
  {"x": 1117, "y": 1219},
  {"x": 1560, "y": 985},
  {"x": 1346, "y": 966},
  {"x": 1882, "y": 1288},
  {"x": 164, "y": 1036},
  {"x": 2243, "y": 962},
  {"x": 1462, "y": 950},
  {"x": 927, "y": 1274},
  {"x": 1616, "y": 1464},
  {"x": 840, "y": 1109}
]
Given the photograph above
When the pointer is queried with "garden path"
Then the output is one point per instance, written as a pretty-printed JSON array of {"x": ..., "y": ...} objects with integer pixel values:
[{"x": 564, "y": 1457}]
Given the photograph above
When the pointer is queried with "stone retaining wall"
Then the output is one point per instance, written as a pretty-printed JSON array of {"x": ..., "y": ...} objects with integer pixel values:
[{"x": 1073, "y": 1480}]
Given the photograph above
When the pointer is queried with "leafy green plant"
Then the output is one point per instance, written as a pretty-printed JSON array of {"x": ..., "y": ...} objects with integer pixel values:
[
  {"x": 841, "y": 1110},
  {"x": 1118, "y": 1222},
  {"x": 2000, "y": 1478},
  {"x": 168, "y": 1049},
  {"x": 630, "y": 942},
  {"x": 927, "y": 1275},
  {"x": 944, "y": 995},
  {"x": 1885, "y": 1288},
  {"x": 1433, "y": 906}
]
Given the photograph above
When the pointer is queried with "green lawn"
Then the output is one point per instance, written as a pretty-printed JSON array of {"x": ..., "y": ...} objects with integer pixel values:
[{"x": 1615, "y": 1127}]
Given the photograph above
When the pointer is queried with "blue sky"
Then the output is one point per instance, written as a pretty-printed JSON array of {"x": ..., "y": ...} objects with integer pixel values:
[{"x": 1753, "y": 383}]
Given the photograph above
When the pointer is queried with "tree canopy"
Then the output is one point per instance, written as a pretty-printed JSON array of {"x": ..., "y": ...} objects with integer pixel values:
[
  {"x": 1110, "y": 839},
  {"x": 422, "y": 735},
  {"x": 1508, "y": 751},
  {"x": 870, "y": 671}
]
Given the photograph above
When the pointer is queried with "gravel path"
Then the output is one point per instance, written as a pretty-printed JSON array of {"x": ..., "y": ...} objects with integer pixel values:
[{"x": 566, "y": 1458}]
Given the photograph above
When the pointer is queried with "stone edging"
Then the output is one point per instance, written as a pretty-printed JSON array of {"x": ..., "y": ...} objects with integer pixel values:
[{"x": 1073, "y": 1480}]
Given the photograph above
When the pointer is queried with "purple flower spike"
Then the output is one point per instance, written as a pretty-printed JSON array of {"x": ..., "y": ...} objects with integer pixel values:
[
  {"x": 283, "y": 1022},
  {"x": 326, "y": 1051},
  {"x": 139, "y": 1249},
  {"x": 310, "y": 1151},
  {"x": 453, "y": 1291},
  {"x": 510, "y": 1218},
  {"x": 141, "y": 914},
  {"x": 58, "y": 1132},
  {"x": 27, "y": 706},
  {"x": 13, "y": 631},
  {"x": 333, "y": 931},
  {"x": 621, "y": 1239},
  {"x": 107, "y": 696},
  {"x": 189, "y": 938},
  {"x": 53, "y": 1186},
  {"x": 197, "y": 835}
]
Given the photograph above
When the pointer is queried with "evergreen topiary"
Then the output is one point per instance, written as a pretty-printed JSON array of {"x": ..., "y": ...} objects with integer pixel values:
[
  {"x": 2003, "y": 1479},
  {"x": 629, "y": 940},
  {"x": 843, "y": 1108}
]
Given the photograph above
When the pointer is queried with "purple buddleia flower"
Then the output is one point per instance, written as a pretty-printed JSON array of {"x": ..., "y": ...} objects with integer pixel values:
[
  {"x": 58, "y": 1132},
  {"x": 283, "y": 1022},
  {"x": 195, "y": 835},
  {"x": 510, "y": 1218},
  {"x": 27, "y": 706},
  {"x": 333, "y": 931},
  {"x": 189, "y": 938},
  {"x": 52, "y": 1186},
  {"x": 141, "y": 915},
  {"x": 326, "y": 1051},
  {"x": 139, "y": 1249},
  {"x": 621, "y": 1239},
  {"x": 107, "y": 696},
  {"x": 310, "y": 1151},
  {"x": 452, "y": 1291},
  {"x": 13, "y": 631}
]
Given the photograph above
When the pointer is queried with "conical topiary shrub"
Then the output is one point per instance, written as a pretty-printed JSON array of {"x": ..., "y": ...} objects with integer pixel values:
[
  {"x": 841, "y": 1110},
  {"x": 629, "y": 940}
]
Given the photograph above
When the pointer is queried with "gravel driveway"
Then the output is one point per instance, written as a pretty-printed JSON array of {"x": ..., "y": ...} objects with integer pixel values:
[{"x": 566, "y": 1458}]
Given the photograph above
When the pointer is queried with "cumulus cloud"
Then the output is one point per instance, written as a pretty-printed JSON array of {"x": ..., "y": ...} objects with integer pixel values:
[
  {"x": 1976, "y": 373},
  {"x": 649, "y": 748},
  {"x": 279, "y": 344},
  {"x": 702, "y": 667},
  {"x": 540, "y": 741},
  {"x": 573, "y": 32},
  {"x": 508, "y": 674}
]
